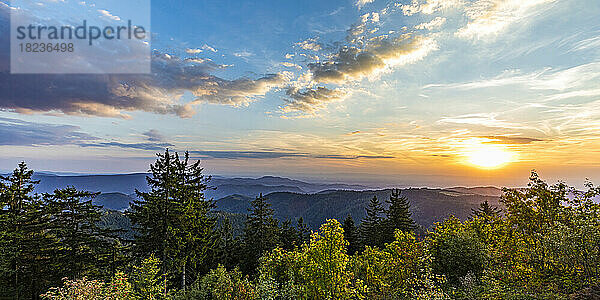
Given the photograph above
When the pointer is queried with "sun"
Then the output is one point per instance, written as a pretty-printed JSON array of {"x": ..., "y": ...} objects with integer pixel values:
[{"x": 488, "y": 156}]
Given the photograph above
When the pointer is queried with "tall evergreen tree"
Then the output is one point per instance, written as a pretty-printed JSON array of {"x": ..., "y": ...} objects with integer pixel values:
[
  {"x": 24, "y": 242},
  {"x": 83, "y": 245},
  {"x": 260, "y": 233},
  {"x": 351, "y": 235},
  {"x": 289, "y": 236},
  {"x": 172, "y": 219},
  {"x": 398, "y": 216},
  {"x": 371, "y": 227},
  {"x": 227, "y": 246}
]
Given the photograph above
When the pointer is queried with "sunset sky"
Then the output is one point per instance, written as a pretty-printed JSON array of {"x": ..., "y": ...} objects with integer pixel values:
[{"x": 422, "y": 93}]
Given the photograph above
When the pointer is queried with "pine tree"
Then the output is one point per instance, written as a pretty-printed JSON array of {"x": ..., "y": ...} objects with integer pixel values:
[
  {"x": 398, "y": 216},
  {"x": 172, "y": 219},
  {"x": 351, "y": 235},
  {"x": 371, "y": 227},
  {"x": 260, "y": 233}
]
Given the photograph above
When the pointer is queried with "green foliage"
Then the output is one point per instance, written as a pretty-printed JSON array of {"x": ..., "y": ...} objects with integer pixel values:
[
  {"x": 456, "y": 251},
  {"x": 544, "y": 245},
  {"x": 173, "y": 219},
  {"x": 83, "y": 289},
  {"x": 398, "y": 216},
  {"x": 220, "y": 284},
  {"x": 372, "y": 227},
  {"x": 147, "y": 281},
  {"x": 351, "y": 235},
  {"x": 261, "y": 233}
]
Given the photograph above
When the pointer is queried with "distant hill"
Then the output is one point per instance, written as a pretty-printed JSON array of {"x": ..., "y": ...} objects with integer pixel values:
[
  {"x": 427, "y": 205},
  {"x": 113, "y": 201},
  {"x": 291, "y": 199},
  {"x": 224, "y": 186}
]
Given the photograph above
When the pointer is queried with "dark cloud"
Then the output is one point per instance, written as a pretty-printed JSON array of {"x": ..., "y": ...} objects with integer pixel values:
[
  {"x": 335, "y": 156},
  {"x": 115, "y": 95},
  {"x": 353, "y": 63},
  {"x": 140, "y": 146},
  {"x": 247, "y": 154},
  {"x": 154, "y": 136},
  {"x": 277, "y": 154},
  {"x": 497, "y": 139},
  {"x": 15, "y": 132},
  {"x": 310, "y": 99}
]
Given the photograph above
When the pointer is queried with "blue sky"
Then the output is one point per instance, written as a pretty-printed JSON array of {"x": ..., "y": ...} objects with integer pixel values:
[{"x": 424, "y": 92}]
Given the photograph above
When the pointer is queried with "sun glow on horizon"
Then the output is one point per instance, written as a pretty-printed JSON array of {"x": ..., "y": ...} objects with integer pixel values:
[{"x": 487, "y": 156}]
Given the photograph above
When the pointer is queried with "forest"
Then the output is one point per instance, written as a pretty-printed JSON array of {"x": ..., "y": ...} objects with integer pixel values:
[{"x": 543, "y": 243}]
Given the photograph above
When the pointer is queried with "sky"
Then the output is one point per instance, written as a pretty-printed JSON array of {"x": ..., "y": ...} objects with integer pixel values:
[{"x": 406, "y": 93}]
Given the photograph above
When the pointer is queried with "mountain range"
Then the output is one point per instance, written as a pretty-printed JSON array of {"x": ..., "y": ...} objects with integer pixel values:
[{"x": 290, "y": 199}]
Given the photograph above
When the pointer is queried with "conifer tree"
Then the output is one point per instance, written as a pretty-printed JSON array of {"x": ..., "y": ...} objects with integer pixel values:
[
  {"x": 260, "y": 233},
  {"x": 227, "y": 246},
  {"x": 289, "y": 236},
  {"x": 486, "y": 211},
  {"x": 172, "y": 219},
  {"x": 351, "y": 235},
  {"x": 73, "y": 222},
  {"x": 24, "y": 242},
  {"x": 371, "y": 227},
  {"x": 398, "y": 216},
  {"x": 303, "y": 231}
]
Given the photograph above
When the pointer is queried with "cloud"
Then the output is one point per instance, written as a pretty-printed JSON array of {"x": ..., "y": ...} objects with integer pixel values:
[
  {"x": 577, "y": 77},
  {"x": 310, "y": 44},
  {"x": 428, "y": 6},
  {"x": 242, "y": 54},
  {"x": 16, "y": 132},
  {"x": 154, "y": 136},
  {"x": 209, "y": 48},
  {"x": 139, "y": 146},
  {"x": 115, "y": 95},
  {"x": 193, "y": 51},
  {"x": 291, "y": 65},
  {"x": 436, "y": 23},
  {"x": 109, "y": 15},
  {"x": 498, "y": 139},
  {"x": 310, "y": 99},
  {"x": 352, "y": 63},
  {"x": 487, "y": 18},
  {"x": 277, "y": 154},
  {"x": 361, "y": 3}
]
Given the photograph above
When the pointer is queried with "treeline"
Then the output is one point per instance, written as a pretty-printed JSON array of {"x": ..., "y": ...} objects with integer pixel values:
[{"x": 544, "y": 245}]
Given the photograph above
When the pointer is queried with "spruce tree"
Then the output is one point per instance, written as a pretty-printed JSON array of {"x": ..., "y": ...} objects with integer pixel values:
[
  {"x": 260, "y": 233},
  {"x": 289, "y": 236},
  {"x": 371, "y": 227},
  {"x": 24, "y": 242},
  {"x": 486, "y": 211},
  {"x": 73, "y": 222},
  {"x": 398, "y": 216},
  {"x": 351, "y": 235},
  {"x": 227, "y": 246},
  {"x": 172, "y": 219}
]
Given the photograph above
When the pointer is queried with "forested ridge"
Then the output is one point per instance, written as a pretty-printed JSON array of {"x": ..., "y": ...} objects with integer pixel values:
[{"x": 542, "y": 243}]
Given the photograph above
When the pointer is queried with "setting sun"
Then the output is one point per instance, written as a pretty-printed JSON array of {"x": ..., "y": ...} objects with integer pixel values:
[{"x": 489, "y": 156}]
